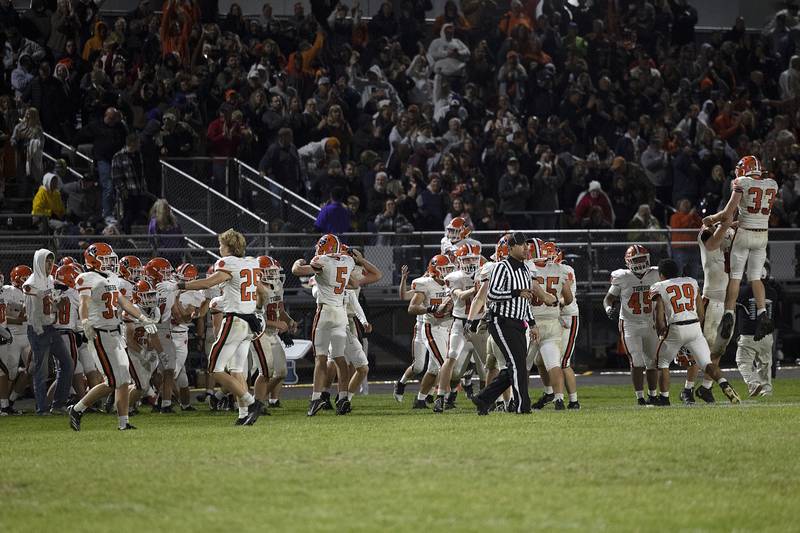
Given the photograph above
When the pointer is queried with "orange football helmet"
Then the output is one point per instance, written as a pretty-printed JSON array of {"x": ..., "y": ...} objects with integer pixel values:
[
  {"x": 468, "y": 258},
  {"x": 637, "y": 259},
  {"x": 536, "y": 251},
  {"x": 101, "y": 257},
  {"x": 270, "y": 268},
  {"x": 145, "y": 293},
  {"x": 158, "y": 269},
  {"x": 186, "y": 272},
  {"x": 501, "y": 249},
  {"x": 457, "y": 230},
  {"x": 328, "y": 244},
  {"x": 67, "y": 274},
  {"x": 130, "y": 268},
  {"x": 550, "y": 251},
  {"x": 19, "y": 274},
  {"x": 440, "y": 266},
  {"x": 748, "y": 166},
  {"x": 559, "y": 256}
]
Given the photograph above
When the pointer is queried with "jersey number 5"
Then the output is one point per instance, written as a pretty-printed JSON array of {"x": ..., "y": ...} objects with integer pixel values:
[
  {"x": 249, "y": 278},
  {"x": 758, "y": 197},
  {"x": 549, "y": 286},
  {"x": 341, "y": 279},
  {"x": 685, "y": 291}
]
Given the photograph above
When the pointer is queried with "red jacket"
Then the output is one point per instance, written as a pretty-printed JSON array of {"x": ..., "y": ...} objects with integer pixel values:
[{"x": 220, "y": 145}]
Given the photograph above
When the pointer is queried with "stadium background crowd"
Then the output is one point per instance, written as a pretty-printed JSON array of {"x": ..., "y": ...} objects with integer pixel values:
[{"x": 503, "y": 114}]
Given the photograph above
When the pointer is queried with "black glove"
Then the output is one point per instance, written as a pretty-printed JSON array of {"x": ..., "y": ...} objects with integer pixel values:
[
  {"x": 287, "y": 339},
  {"x": 473, "y": 325},
  {"x": 613, "y": 312}
]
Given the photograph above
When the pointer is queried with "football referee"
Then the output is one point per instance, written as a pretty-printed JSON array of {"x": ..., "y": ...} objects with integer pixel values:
[{"x": 511, "y": 287}]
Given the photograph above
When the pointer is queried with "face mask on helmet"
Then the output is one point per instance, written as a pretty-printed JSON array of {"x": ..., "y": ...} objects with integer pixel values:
[
  {"x": 638, "y": 264},
  {"x": 147, "y": 299},
  {"x": 109, "y": 263},
  {"x": 271, "y": 274},
  {"x": 469, "y": 264},
  {"x": 453, "y": 234}
]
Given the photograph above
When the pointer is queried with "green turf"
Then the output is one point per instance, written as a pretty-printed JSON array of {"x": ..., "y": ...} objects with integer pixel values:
[{"x": 610, "y": 467}]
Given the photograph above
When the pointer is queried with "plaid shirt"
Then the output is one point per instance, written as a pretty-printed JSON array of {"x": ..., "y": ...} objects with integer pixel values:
[{"x": 123, "y": 173}]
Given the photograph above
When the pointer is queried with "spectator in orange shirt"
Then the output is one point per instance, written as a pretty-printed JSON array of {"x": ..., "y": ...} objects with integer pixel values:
[
  {"x": 684, "y": 243},
  {"x": 726, "y": 124},
  {"x": 514, "y": 18}
]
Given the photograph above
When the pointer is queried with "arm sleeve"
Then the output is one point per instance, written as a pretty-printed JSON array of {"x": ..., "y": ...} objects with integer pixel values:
[
  {"x": 499, "y": 286},
  {"x": 357, "y": 309}
]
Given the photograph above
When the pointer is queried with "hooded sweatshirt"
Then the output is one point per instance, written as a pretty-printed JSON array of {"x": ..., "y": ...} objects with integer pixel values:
[
  {"x": 439, "y": 54},
  {"x": 47, "y": 202},
  {"x": 38, "y": 289},
  {"x": 96, "y": 42}
]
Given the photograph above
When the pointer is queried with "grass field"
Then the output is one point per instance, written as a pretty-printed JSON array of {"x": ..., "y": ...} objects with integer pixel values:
[{"x": 609, "y": 467}]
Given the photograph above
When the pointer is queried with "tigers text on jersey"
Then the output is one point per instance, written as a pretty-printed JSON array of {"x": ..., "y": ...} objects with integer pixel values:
[
  {"x": 715, "y": 267},
  {"x": 634, "y": 294},
  {"x": 755, "y": 205},
  {"x": 67, "y": 310},
  {"x": 239, "y": 292},
  {"x": 14, "y": 307},
  {"x": 679, "y": 296},
  {"x": 332, "y": 279},
  {"x": 103, "y": 290},
  {"x": 187, "y": 298},
  {"x": 572, "y": 308},
  {"x": 459, "y": 280},
  {"x": 272, "y": 305},
  {"x": 434, "y": 294},
  {"x": 551, "y": 277}
]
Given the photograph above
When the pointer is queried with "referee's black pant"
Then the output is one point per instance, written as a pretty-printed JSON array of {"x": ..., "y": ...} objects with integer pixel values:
[{"x": 509, "y": 336}]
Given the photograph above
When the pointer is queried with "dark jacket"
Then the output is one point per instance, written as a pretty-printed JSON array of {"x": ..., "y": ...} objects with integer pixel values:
[{"x": 107, "y": 140}]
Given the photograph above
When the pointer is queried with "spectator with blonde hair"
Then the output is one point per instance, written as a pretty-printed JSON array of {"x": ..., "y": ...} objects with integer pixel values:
[{"x": 165, "y": 230}]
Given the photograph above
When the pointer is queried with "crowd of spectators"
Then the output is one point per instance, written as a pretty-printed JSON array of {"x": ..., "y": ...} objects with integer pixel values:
[{"x": 608, "y": 114}]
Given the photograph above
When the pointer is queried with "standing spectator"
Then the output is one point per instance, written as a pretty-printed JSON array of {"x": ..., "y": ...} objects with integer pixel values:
[
  {"x": 684, "y": 243},
  {"x": 165, "y": 231},
  {"x": 46, "y": 94},
  {"x": 545, "y": 185},
  {"x": 390, "y": 221},
  {"x": 447, "y": 54},
  {"x": 631, "y": 146},
  {"x": 514, "y": 189},
  {"x": 378, "y": 194},
  {"x": 127, "y": 173},
  {"x": 644, "y": 220},
  {"x": 282, "y": 162},
  {"x": 65, "y": 26},
  {"x": 594, "y": 197},
  {"x": 683, "y": 22},
  {"x": 358, "y": 219},
  {"x": 29, "y": 142},
  {"x": 333, "y": 217},
  {"x": 655, "y": 161},
  {"x": 432, "y": 205}
]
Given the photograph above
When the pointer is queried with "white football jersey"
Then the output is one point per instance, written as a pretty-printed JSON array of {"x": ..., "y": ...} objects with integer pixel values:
[
  {"x": 572, "y": 308},
  {"x": 679, "y": 296},
  {"x": 634, "y": 294},
  {"x": 462, "y": 281},
  {"x": 67, "y": 310},
  {"x": 272, "y": 306},
  {"x": 755, "y": 205},
  {"x": 451, "y": 247},
  {"x": 332, "y": 280},
  {"x": 358, "y": 273},
  {"x": 103, "y": 290},
  {"x": 433, "y": 293},
  {"x": 126, "y": 288},
  {"x": 551, "y": 277},
  {"x": 483, "y": 275},
  {"x": 187, "y": 298},
  {"x": 15, "y": 307},
  {"x": 239, "y": 292},
  {"x": 715, "y": 267}
]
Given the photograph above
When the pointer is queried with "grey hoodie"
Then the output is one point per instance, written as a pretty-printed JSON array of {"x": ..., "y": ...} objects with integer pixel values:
[{"x": 38, "y": 289}]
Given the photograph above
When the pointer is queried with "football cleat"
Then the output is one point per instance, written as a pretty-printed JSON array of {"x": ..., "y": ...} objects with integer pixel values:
[
  {"x": 559, "y": 405},
  {"x": 419, "y": 404},
  {"x": 642, "y": 401},
  {"x": 315, "y": 406},
  {"x": 653, "y": 400},
  {"x": 469, "y": 390},
  {"x": 764, "y": 326},
  {"x": 188, "y": 408},
  {"x": 500, "y": 406},
  {"x": 481, "y": 407},
  {"x": 240, "y": 421},
  {"x": 704, "y": 394},
  {"x": 167, "y": 410},
  {"x": 343, "y": 406},
  {"x": 59, "y": 411},
  {"x": 543, "y": 400},
  {"x": 450, "y": 403},
  {"x": 663, "y": 401},
  {"x": 429, "y": 399},
  {"x": 326, "y": 401},
  {"x": 213, "y": 403},
  {"x": 10, "y": 411},
  {"x": 253, "y": 412},
  {"x": 754, "y": 389},
  {"x": 574, "y": 405},
  {"x": 438, "y": 405},
  {"x": 74, "y": 419},
  {"x": 726, "y": 326},
  {"x": 399, "y": 390},
  {"x": 687, "y": 396},
  {"x": 127, "y": 427},
  {"x": 276, "y": 404},
  {"x": 730, "y": 392}
]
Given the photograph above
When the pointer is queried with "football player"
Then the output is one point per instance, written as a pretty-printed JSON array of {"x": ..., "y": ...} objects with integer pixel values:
[
  {"x": 570, "y": 323},
  {"x": 715, "y": 245},
  {"x": 364, "y": 274},
  {"x": 142, "y": 347},
  {"x": 184, "y": 312},
  {"x": 431, "y": 299},
  {"x": 751, "y": 198},
  {"x": 14, "y": 350},
  {"x": 455, "y": 234},
  {"x": 100, "y": 321},
  {"x": 461, "y": 284},
  {"x": 131, "y": 270},
  {"x": 678, "y": 311},
  {"x": 331, "y": 270},
  {"x": 419, "y": 352},
  {"x": 159, "y": 270},
  {"x": 210, "y": 319},
  {"x": 545, "y": 348},
  {"x": 238, "y": 276},
  {"x": 628, "y": 300}
]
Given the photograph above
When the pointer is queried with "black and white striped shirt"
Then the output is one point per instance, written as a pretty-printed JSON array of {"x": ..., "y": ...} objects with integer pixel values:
[{"x": 508, "y": 278}]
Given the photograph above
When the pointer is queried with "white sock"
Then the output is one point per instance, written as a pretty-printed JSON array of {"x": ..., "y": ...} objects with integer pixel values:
[
  {"x": 559, "y": 396},
  {"x": 403, "y": 379},
  {"x": 548, "y": 390},
  {"x": 721, "y": 381},
  {"x": 665, "y": 394},
  {"x": 573, "y": 396},
  {"x": 3, "y": 404},
  {"x": 209, "y": 392},
  {"x": 639, "y": 394},
  {"x": 243, "y": 412},
  {"x": 247, "y": 398},
  {"x": 166, "y": 403},
  {"x": 421, "y": 396},
  {"x": 13, "y": 396},
  {"x": 688, "y": 384},
  {"x": 707, "y": 383},
  {"x": 652, "y": 392},
  {"x": 343, "y": 395},
  {"x": 273, "y": 401},
  {"x": 762, "y": 310},
  {"x": 315, "y": 396},
  {"x": 349, "y": 396},
  {"x": 80, "y": 406},
  {"x": 123, "y": 421},
  {"x": 728, "y": 312}
]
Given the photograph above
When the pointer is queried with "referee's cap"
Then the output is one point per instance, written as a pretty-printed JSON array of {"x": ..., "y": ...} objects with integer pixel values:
[{"x": 519, "y": 238}]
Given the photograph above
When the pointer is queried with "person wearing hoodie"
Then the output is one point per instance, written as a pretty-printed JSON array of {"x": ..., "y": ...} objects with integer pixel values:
[
  {"x": 95, "y": 44},
  {"x": 43, "y": 336},
  {"x": 447, "y": 54},
  {"x": 48, "y": 208}
]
